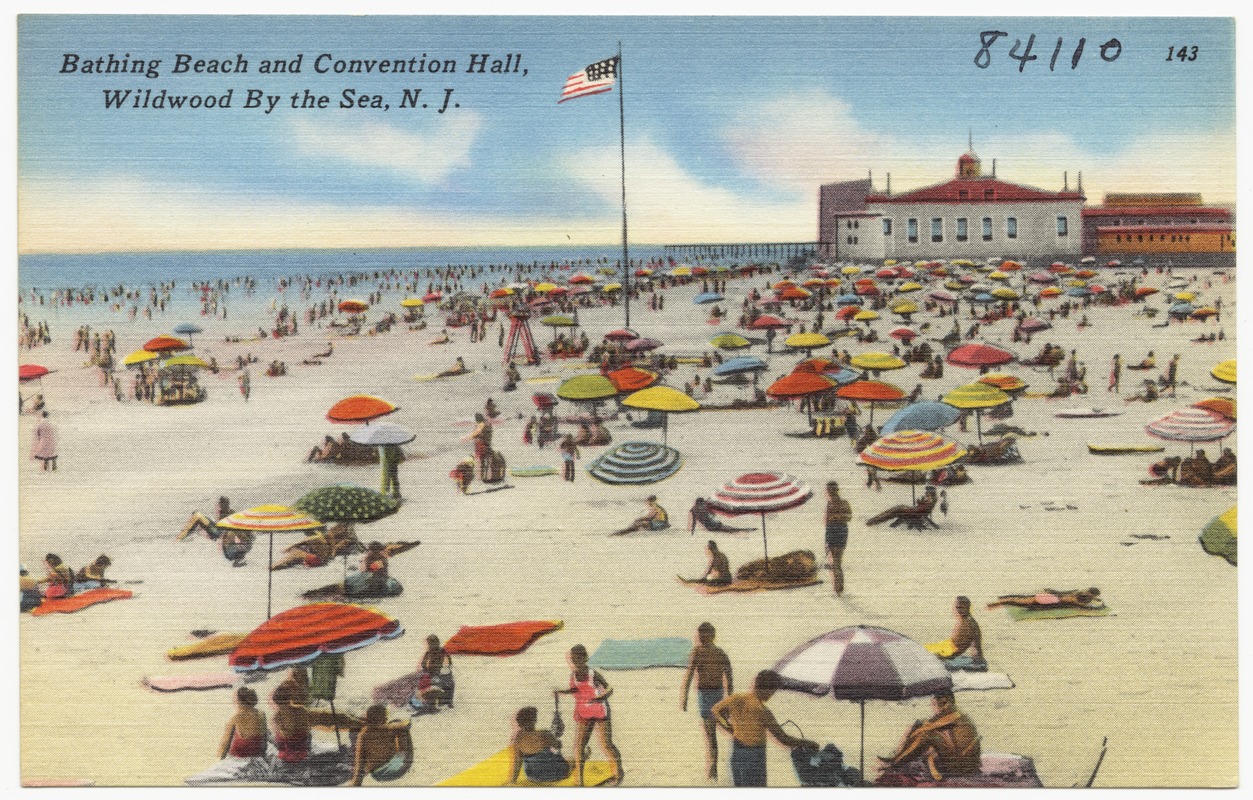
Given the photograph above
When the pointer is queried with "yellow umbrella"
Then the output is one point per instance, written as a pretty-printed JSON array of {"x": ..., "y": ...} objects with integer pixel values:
[
  {"x": 1186, "y": 297},
  {"x": 877, "y": 361},
  {"x": 681, "y": 272},
  {"x": 977, "y": 396},
  {"x": 851, "y": 270},
  {"x": 907, "y": 307},
  {"x": 186, "y": 360},
  {"x": 1225, "y": 372},
  {"x": 889, "y": 262},
  {"x": 954, "y": 285},
  {"x": 664, "y": 399},
  {"x": 139, "y": 357},
  {"x": 611, "y": 287},
  {"x": 270, "y": 519},
  {"x": 962, "y": 262},
  {"x": 1005, "y": 293},
  {"x": 1077, "y": 283},
  {"x": 1003, "y": 381},
  {"x": 909, "y": 286},
  {"x": 418, "y": 302},
  {"x": 865, "y": 316},
  {"x": 999, "y": 276},
  {"x": 545, "y": 287},
  {"x": 806, "y": 341}
]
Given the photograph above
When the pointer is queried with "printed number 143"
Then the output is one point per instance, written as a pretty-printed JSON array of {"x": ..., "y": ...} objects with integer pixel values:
[{"x": 1184, "y": 53}]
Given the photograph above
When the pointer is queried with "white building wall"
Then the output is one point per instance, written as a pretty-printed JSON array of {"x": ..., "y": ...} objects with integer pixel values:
[
  {"x": 1037, "y": 230},
  {"x": 858, "y": 238}
]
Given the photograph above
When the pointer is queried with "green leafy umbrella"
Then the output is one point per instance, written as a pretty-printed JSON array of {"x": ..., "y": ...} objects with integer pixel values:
[{"x": 347, "y": 504}]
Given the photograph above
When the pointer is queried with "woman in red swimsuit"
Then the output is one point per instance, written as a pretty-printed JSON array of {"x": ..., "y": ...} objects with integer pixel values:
[
  {"x": 245, "y": 733},
  {"x": 591, "y": 710}
]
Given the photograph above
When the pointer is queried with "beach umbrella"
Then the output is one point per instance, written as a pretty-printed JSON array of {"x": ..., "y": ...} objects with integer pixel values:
[
  {"x": 1042, "y": 276},
  {"x": 31, "y": 372},
  {"x": 886, "y": 273},
  {"x": 861, "y": 663},
  {"x": 848, "y": 300},
  {"x": 630, "y": 379},
  {"x": 800, "y": 384},
  {"x": 348, "y": 503},
  {"x": 582, "y": 277},
  {"x": 847, "y": 313},
  {"x": 984, "y": 297},
  {"x": 1005, "y": 293},
  {"x": 1204, "y": 312},
  {"x": 925, "y": 415},
  {"x": 977, "y": 396},
  {"x": 911, "y": 451},
  {"x": 741, "y": 364},
  {"x": 1186, "y": 297},
  {"x": 587, "y": 388},
  {"x": 1225, "y": 371},
  {"x": 643, "y": 273},
  {"x": 682, "y": 271},
  {"x": 730, "y": 341},
  {"x": 942, "y": 296},
  {"x": 611, "y": 287},
  {"x": 766, "y": 321},
  {"x": 866, "y": 316},
  {"x": 270, "y": 519},
  {"x": 642, "y": 344},
  {"x": 871, "y": 392},
  {"x": 903, "y": 333},
  {"x": 806, "y": 341},
  {"x": 783, "y": 284},
  {"x": 1219, "y": 537},
  {"x": 851, "y": 270},
  {"x": 622, "y": 335},
  {"x": 636, "y": 463},
  {"x": 431, "y": 297},
  {"x": 877, "y": 362},
  {"x": 1003, "y": 381},
  {"x": 794, "y": 293},
  {"x": 1180, "y": 309},
  {"x": 165, "y": 344},
  {"x": 979, "y": 356},
  {"x": 188, "y": 329},
  {"x": 186, "y": 360},
  {"x": 1225, "y": 406},
  {"x": 707, "y": 297},
  {"x": 700, "y": 272},
  {"x": 664, "y": 399},
  {"x": 1145, "y": 291},
  {"x": 139, "y": 357},
  {"x": 998, "y": 276},
  {"x": 904, "y": 308},
  {"x": 545, "y": 287},
  {"x": 302, "y": 634},
  {"x": 359, "y": 408},
  {"x": 353, "y": 306},
  {"x": 418, "y": 302},
  {"x": 760, "y": 493},
  {"x": 381, "y": 436},
  {"x": 496, "y": 294},
  {"x": 1050, "y": 291},
  {"x": 1191, "y": 425},
  {"x": 867, "y": 289},
  {"x": 1034, "y": 325},
  {"x": 558, "y": 321},
  {"x": 909, "y": 286},
  {"x": 1090, "y": 260}
]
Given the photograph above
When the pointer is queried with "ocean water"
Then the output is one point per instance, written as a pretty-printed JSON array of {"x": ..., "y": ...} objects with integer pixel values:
[{"x": 44, "y": 272}]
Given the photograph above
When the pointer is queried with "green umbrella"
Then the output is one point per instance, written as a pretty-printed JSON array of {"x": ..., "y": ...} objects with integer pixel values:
[
  {"x": 730, "y": 341},
  {"x": 587, "y": 388},
  {"x": 347, "y": 504}
]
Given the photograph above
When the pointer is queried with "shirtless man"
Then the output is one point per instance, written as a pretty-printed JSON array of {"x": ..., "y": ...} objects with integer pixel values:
[
  {"x": 948, "y": 741},
  {"x": 712, "y": 668},
  {"x": 381, "y": 744},
  {"x": 966, "y": 638}
]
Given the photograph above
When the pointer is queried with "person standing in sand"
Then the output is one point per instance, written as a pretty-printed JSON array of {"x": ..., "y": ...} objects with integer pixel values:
[
  {"x": 839, "y": 512},
  {"x": 747, "y": 719},
  {"x": 712, "y": 668},
  {"x": 591, "y": 691},
  {"x": 569, "y": 452},
  {"x": 1115, "y": 374},
  {"x": 44, "y": 446}
]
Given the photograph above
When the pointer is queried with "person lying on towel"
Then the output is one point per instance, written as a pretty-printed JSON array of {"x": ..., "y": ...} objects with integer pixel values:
[
  {"x": 1052, "y": 598},
  {"x": 700, "y": 513}
]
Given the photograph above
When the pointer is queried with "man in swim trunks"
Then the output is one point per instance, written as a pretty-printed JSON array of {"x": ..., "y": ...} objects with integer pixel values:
[
  {"x": 967, "y": 640},
  {"x": 1052, "y": 598},
  {"x": 839, "y": 512},
  {"x": 655, "y": 519},
  {"x": 712, "y": 668},
  {"x": 747, "y": 719},
  {"x": 948, "y": 741}
]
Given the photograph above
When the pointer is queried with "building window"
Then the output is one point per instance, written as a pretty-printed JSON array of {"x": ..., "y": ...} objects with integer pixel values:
[
  {"x": 1140, "y": 237},
  {"x": 911, "y": 228},
  {"x": 962, "y": 232},
  {"x": 1062, "y": 227},
  {"x": 937, "y": 229},
  {"x": 848, "y": 240},
  {"x": 1192, "y": 221},
  {"x": 1118, "y": 238},
  {"x": 1011, "y": 227},
  {"x": 987, "y": 229},
  {"x": 1139, "y": 222},
  {"x": 989, "y": 194},
  {"x": 854, "y": 240},
  {"x": 848, "y": 223},
  {"x": 887, "y": 227},
  {"x": 856, "y": 223}
]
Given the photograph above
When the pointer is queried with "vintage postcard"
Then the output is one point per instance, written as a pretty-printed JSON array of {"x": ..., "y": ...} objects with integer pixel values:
[{"x": 653, "y": 401}]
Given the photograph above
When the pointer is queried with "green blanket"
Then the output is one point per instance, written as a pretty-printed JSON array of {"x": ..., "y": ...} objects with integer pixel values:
[
  {"x": 1020, "y": 614},
  {"x": 615, "y": 654}
]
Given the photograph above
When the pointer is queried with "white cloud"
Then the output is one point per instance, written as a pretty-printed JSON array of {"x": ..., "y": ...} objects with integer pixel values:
[
  {"x": 806, "y": 139},
  {"x": 426, "y": 157}
]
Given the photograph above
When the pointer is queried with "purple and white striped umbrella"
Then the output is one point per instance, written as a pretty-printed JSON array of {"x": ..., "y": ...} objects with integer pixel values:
[
  {"x": 1191, "y": 425},
  {"x": 862, "y": 662}
]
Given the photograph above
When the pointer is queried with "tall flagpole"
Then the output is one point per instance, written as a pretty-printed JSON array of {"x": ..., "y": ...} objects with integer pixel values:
[{"x": 626, "y": 257}]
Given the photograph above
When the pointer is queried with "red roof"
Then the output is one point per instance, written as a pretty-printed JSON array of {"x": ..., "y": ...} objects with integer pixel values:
[
  {"x": 1156, "y": 211},
  {"x": 975, "y": 189}
]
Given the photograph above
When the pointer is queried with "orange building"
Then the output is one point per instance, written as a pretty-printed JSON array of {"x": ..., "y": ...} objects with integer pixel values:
[{"x": 1157, "y": 223}]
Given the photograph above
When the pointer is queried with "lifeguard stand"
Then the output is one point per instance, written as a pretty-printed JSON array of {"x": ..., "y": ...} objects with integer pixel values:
[{"x": 520, "y": 333}]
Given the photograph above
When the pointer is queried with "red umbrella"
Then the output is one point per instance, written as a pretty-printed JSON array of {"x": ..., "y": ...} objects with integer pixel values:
[
  {"x": 642, "y": 344},
  {"x": 431, "y": 297},
  {"x": 793, "y": 293},
  {"x": 871, "y": 392},
  {"x": 800, "y": 383},
  {"x": 979, "y": 355},
  {"x": 847, "y": 312},
  {"x": 302, "y": 634},
  {"x": 29, "y": 372},
  {"x": 760, "y": 493},
  {"x": 769, "y": 321},
  {"x": 165, "y": 344},
  {"x": 903, "y": 333},
  {"x": 630, "y": 379},
  {"x": 816, "y": 365},
  {"x": 582, "y": 278},
  {"x": 622, "y": 335},
  {"x": 359, "y": 408},
  {"x": 353, "y": 306}
]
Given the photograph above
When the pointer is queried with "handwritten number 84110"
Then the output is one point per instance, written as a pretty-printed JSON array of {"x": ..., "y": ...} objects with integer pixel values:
[{"x": 1110, "y": 51}]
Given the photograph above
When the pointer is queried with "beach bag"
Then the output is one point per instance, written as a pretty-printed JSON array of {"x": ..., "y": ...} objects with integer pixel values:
[{"x": 823, "y": 767}]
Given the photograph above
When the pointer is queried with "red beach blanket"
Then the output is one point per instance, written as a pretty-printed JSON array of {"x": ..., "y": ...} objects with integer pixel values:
[
  {"x": 507, "y": 639},
  {"x": 67, "y": 605}
]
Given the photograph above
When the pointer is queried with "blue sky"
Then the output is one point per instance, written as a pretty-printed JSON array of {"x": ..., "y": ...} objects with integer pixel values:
[{"x": 732, "y": 123}]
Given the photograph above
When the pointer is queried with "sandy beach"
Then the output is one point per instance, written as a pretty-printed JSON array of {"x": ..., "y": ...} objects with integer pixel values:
[{"x": 1158, "y": 677}]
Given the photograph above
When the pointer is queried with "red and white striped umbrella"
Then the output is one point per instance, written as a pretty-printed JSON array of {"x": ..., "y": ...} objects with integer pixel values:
[
  {"x": 760, "y": 493},
  {"x": 1191, "y": 425},
  {"x": 861, "y": 663}
]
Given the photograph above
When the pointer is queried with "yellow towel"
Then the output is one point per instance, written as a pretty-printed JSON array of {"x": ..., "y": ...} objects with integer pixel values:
[
  {"x": 944, "y": 649},
  {"x": 495, "y": 772}
]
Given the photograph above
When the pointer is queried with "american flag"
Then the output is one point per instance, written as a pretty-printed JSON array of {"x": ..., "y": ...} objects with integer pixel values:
[{"x": 596, "y": 78}]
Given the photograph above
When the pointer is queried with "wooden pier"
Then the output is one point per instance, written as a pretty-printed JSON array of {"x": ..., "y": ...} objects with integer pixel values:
[{"x": 777, "y": 251}]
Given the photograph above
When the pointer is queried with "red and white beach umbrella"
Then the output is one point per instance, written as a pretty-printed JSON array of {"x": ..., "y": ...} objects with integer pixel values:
[
  {"x": 1191, "y": 425},
  {"x": 760, "y": 493},
  {"x": 861, "y": 663}
]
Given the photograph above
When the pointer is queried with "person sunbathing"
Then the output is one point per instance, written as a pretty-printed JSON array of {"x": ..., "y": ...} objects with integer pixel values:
[
  {"x": 1147, "y": 395},
  {"x": 320, "y": 548},
  {"x": 718, "y": 573},
  {"x": 1196, "y": 471},
  {"x": 1002, "y": 451},
  {"x": 917, "y": 516},
  {"x": 329, "y": 451},
  {"x": 1052, "y": 598},
  {"x": 384, "y": 749},
  {"x": 701, "y": 513},
  {"x": 1149, "y": 362},
  {"x": 459, "y": 368},
  {"x": 1164, "y": 472},
  {"x": 443, "y": 338},
  {"x": 92, "y": 575}
]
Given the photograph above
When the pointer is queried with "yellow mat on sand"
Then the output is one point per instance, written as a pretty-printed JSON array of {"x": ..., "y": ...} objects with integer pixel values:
[
  {"x": 216, "y": 645},
  {"x": 495, "y": 772}
]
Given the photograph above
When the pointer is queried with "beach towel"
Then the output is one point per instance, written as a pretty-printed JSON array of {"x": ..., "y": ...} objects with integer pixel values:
[
  {"x": 996, "y": 770},
  {"x": 324, "y": 767},
  {"x": 964, "y": 681},
  {"x": 751, "y": 585},
  {"x": 506, "y": 639},
  {"x": 619, "y": 654},
  {"x": 1020, "y": 614},
  {"x": 196, "y": 682},
  {"x": 494, "y": 771},
  {"x": 537, "y": 471},
  {"x": 396, "y": 693},
  {"x": 216, "y": 645},
  {"x": 77, "y": 602},
  {"x": 339, "y": 593}
]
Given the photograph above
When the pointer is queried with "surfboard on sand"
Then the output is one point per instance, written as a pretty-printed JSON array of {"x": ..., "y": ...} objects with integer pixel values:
[
  {"x": 1086, "y": 413},
  {"x": 216, "y": 645},
  {"x": 536, "y": 471}
]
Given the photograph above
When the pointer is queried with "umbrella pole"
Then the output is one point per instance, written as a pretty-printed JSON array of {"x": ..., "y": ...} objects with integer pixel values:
[
  {"x": 979, "y": 424},
  {"x": 269, "y": 581},
  {"x": 765, "y": 544},
  {"x": 861, "y": 757},
  {"x": 335, "y": 721},
  {"x": 665, "y": 429}
]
